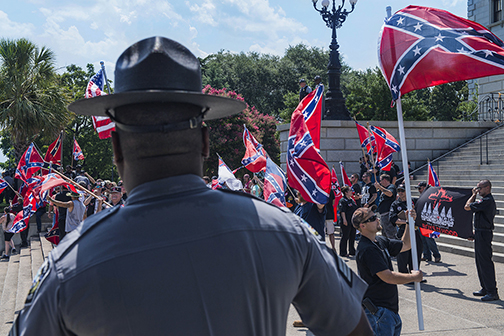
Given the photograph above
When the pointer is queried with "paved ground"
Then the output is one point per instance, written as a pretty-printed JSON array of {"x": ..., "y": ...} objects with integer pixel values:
[{"x": 449, "y": 308}]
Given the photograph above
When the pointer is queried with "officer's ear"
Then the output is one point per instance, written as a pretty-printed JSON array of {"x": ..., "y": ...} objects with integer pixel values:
[
  {"x": 205, "y": 142},
  {"x": 118, "y": 155}
]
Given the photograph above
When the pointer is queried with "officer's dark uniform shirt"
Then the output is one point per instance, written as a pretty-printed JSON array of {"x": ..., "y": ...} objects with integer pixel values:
[
  {"x": 484, "y": 212},
  {"x": 219, "y": 263},
  {"x": 347, "y": 208},
  {"x": 372, "y": 258}
]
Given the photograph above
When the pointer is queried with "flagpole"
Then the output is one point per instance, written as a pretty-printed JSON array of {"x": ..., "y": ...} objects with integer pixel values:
[
  {"x": 102, "y": 63},
  {"x": 73, "y": 150},
  {"x": 78, "y": 186},
  {"x": 373, "y": 163},
  {"x": 414, "y": 255}
]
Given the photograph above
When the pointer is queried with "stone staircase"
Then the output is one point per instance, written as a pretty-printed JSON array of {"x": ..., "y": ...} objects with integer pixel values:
[
  {"x": 463, "y": 168},
  {"x": 16, "y": 276}
]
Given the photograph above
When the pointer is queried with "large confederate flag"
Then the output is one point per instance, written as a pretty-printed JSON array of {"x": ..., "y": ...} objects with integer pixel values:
[{"x": 421, "y": 47}]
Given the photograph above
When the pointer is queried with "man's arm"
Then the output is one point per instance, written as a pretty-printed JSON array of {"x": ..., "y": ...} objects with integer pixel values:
[
  {"x": 396, "y": 278},
  {"x": 68, "y": 205},
  {"x": 471, "y": 199},
  {"x": 384, "y": 190},
  {"x": 373, "y": 198}
]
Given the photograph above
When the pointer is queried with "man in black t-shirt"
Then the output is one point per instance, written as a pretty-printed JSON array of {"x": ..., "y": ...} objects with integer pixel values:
[
  {"x": 484, "y": 214},
  {"x": 62, "y": 212},
  {"x": 388, "y": 195},
  {"x": 369, "y": 193},
  {"x": 357, "y": 189},
  {"x": 381, "y": 300}
]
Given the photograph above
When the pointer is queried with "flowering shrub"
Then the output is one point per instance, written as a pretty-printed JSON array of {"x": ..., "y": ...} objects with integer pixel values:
[{"x": 226, "y": 135}]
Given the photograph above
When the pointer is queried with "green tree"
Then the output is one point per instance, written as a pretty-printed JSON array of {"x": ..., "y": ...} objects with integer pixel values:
[
  {"x": 226, "y": 135},
  {"x": 31, "y": 102},
  {"x": 445, "y": 99}
]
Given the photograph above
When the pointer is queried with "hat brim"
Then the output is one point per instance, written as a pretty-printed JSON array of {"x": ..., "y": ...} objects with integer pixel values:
[{"x": 219, "y": 107}]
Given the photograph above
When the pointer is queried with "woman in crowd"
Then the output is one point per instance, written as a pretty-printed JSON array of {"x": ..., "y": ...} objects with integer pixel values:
[
  {"x": 347, "y": 207},
  {"x": 7, "y": 220}
]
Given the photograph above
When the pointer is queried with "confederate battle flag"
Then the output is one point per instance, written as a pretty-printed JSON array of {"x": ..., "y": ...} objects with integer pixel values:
[{"x": 421, "y": 47}]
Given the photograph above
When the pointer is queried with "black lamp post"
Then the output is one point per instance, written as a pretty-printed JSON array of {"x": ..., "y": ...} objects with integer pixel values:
[{"x": 334, "y": 18}]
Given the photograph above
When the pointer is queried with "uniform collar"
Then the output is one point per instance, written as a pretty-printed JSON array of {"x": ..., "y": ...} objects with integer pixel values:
[{"x": 167, "y": 186}]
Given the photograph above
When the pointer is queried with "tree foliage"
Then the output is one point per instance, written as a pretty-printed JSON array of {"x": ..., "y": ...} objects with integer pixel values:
[
  {"x": 31, "y": 102},
  {"x": 226, "y": 134},
  {"x": 264, "y": 80}
]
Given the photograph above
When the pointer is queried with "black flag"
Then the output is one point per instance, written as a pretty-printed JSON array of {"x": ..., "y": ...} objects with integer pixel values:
[{"x": 441, "y": 209}]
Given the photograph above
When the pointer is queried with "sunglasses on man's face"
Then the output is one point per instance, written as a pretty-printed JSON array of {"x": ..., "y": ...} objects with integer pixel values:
[{"x": 371, "y": 219}]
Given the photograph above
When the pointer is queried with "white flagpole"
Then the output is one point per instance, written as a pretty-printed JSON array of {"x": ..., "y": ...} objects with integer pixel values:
[{"x": 414, "y": 256}]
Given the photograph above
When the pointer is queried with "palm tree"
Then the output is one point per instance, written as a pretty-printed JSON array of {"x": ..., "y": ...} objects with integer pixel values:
[{"x": 31, "y": 103}]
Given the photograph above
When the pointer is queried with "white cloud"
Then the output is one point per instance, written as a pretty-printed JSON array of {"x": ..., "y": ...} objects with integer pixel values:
[
  {"x": 204, "y": 13},
  {"x": 259, "y": 17},
  {"x": 277, "y": 46},
  {"x": 13, "y": 29}
]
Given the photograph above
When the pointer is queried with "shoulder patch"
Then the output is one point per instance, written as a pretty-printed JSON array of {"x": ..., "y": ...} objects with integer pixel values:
[{"x": 38, "y": 280}]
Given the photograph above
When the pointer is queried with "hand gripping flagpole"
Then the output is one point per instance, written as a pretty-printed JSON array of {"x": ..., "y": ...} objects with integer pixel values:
[{"x": 411, "y": 222}]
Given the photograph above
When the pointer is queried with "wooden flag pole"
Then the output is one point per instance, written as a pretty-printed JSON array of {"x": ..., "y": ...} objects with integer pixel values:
[
  {"x": 407, "y": 185},
  {"x": 78, "y": 186}
]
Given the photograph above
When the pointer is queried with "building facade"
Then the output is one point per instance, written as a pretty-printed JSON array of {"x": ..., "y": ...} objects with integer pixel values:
[{"x": 488, "y": 13}]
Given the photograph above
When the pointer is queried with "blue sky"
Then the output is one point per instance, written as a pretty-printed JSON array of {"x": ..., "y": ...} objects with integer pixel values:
[
  {"x": 81, "y": 32},
  {"x": 86, "y": 32}
]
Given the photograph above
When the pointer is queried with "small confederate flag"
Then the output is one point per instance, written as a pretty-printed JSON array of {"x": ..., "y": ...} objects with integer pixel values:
[
  {"x": 54, "y": 151},
  {"x": 433, "y": 179},
  {"x": 255, "y": 155},
  {"x": 103, "y": 125},
  {"x": 307, "y": 171},
  {"x": 421, "y": 47},
  {"x": 77, "y": 151},
  {"x": 366, "y": 139},
  {"x": 29, "y": 164},
  {"x": 274, "y": 184},
  {"x": 386, "y": 145}
]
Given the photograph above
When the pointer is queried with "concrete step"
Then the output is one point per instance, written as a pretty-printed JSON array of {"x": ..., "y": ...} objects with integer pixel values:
[
  {"x": 46, "y": 246},
  {"x": 466, "y": 251},
  {"x": 8, "y": 298},
  {"x": 37, "y": 255},
  {"x": 24, "y": 279},
  {"x": 498, "y": 247}
]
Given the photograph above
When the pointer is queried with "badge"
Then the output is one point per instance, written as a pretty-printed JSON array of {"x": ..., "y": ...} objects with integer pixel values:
[{"x": 37, "y": 281}]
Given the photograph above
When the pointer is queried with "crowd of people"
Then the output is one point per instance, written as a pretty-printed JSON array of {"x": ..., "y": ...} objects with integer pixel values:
[{"x": 66, "y": 207}]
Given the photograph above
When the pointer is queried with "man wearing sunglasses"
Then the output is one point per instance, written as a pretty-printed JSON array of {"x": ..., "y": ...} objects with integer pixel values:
[{"x": 381, "y": 300}]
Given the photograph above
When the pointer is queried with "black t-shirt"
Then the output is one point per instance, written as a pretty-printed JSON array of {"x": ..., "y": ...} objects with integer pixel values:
[
  {"x": 372, "y": 258},
  {"x": 347, "y": 206},
  {"x": 484, "y": 212},
  {"x": 329, "y": 206},
  {"x": 62, "y": 197},
  {"x": 385, "y": 201},
  {"x": 367, "y": 193}
]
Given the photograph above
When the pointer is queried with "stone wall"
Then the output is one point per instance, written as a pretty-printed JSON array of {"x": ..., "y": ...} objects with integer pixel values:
[{"x": 424, "y": 140}]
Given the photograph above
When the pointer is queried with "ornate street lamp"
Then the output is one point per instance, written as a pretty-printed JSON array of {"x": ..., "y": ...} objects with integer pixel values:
[{"x": 334, "y": 18}]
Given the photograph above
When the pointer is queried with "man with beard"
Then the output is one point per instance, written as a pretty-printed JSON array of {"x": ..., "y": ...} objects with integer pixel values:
[{"x": 381, "y": 300}]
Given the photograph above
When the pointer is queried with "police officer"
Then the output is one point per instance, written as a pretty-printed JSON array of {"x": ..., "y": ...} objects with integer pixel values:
[
  {"x": 220, "y": 263},
  {"x": 484, "y": 214}
]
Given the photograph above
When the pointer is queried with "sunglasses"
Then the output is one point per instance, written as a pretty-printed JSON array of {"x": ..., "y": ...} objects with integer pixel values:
[{"x": 371, "y": 219}]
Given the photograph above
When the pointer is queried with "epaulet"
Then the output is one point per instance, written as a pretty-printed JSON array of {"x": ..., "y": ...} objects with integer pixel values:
[
  {"x": 244, "y": 194},
  {"x": 86, "y": 227}
]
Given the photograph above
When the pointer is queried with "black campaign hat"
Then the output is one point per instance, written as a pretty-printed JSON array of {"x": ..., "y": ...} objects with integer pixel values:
[{"x": 158, "y": 69}]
